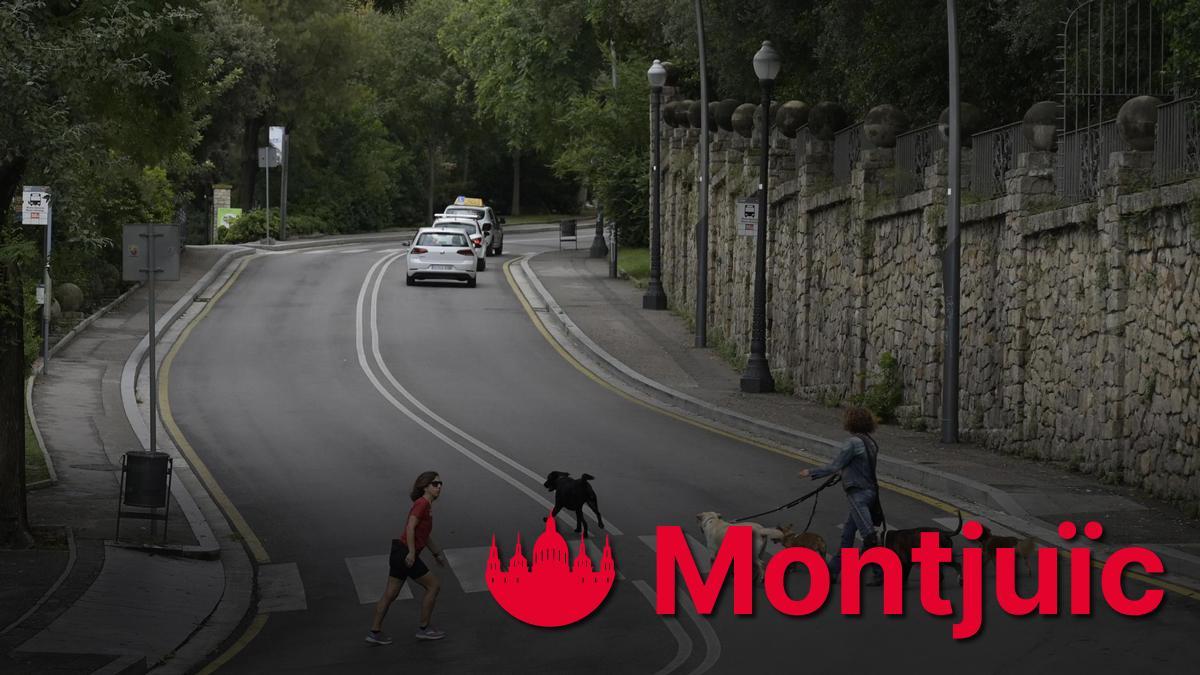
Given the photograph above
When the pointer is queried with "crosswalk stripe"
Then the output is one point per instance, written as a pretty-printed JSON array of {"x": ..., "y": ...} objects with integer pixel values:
[
  {"x": 280, "y": 588},
  {"x": 370, "y": 575},
  {"x": 469, "y": 565}
]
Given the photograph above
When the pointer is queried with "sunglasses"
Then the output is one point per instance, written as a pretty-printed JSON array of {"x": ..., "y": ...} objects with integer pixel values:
[{"x": 436, "y": 483}]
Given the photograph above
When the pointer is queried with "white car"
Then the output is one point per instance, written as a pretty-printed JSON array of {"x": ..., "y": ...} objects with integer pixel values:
[
  {"x": 492, "y": 225},
  {"x": 438, "y": 253},
  {"x": 469, "y": 227}
]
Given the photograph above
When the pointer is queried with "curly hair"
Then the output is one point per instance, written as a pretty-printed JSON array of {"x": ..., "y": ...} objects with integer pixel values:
[
  {"x": 858, "y": 420},
  {"x": 421, "y": 483}
]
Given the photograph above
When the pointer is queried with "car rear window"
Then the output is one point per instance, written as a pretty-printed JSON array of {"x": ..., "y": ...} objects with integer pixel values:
[
  {"x": 441, "y": 239},
  {"x": 466, "y": 212}
]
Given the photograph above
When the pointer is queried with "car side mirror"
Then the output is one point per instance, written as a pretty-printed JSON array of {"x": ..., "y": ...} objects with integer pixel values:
[
  {"x": 501, "y": 220},
  {"x": 487, "y": 227},
  {"x": 406, "y": 242}
]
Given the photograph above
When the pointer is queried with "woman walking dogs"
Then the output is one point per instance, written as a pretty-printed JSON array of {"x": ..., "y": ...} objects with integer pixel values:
[
  {"x": 856, "y": 464},
  {"x": 405, "y": 561}
]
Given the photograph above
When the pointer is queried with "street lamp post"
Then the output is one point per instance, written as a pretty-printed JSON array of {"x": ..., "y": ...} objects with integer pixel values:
[
  {"x": 655, "y": 298},
  {"x": 756, "y": 379}
]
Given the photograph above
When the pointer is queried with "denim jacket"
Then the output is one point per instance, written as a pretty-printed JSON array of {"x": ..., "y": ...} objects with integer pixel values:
[{"x": 854, "y": 465}]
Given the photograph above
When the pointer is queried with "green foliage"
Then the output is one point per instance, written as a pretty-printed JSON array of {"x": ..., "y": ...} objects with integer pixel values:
[
  {"x": 886, "y": 392},
  {"x": 250, "y": 226}
]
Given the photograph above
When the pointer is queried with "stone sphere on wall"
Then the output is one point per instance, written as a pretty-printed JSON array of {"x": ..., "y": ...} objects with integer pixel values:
[
  {"x": 970, "y": 122},
  {"x": 1040, "y": 125},
  {"x": 882, "y": 124},
  {"x": 668, "y": 113},
  {"x": 826, "y": 119},
  {"x": 724, "y": 116},
  {"x": 672, "y": 74},
  {"x": 681, "y": 113},
  {"x": 69, "y": 296},
  {"x": 743, "y": 119},
  {"x": 791, "y": 116},
  {"x": 1137, "y": 120}
]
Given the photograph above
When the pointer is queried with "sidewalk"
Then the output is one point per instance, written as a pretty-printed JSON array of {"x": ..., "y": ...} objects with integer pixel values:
[{"x": 652, "y": 353}]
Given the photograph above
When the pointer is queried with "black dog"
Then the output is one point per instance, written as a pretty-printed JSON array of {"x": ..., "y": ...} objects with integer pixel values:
[
  {"x": 904, "y": 541},
  {"x": 571, "y": 494}
]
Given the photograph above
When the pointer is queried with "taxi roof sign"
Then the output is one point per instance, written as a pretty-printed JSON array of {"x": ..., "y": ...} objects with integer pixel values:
[{"x": 468, "y": 201}]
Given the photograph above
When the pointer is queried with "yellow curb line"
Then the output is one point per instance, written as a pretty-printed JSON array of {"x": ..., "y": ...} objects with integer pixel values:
[
  {"x": 252, "y": 631},
  {"x": 791, "y": 454}
]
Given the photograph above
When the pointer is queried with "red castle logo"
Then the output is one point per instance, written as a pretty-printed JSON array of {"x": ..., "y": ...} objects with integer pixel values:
[{"x": 552, "y": 593}]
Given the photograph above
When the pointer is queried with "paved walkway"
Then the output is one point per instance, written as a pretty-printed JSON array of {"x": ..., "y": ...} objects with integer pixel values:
[{"x": 654, "y": 353}]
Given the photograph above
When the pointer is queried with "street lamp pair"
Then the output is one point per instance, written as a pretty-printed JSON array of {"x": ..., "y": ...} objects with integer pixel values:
[{"x": 757, "y": 376}]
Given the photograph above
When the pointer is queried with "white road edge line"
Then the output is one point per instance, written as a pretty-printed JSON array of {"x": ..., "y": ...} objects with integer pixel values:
[
  {"x": 362, "y": 361},
  {"x": 681, "y": 637}
]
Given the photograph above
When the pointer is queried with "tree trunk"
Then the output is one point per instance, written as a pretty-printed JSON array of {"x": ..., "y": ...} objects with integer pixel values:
[
  {"x": 249, "y": 178},
  {"x": 432, "y": 176},
  {"x": 14, "y": 521},
  {"x": 516, "y": 193}
]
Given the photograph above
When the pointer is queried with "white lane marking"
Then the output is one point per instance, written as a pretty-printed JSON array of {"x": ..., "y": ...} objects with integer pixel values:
[
  {"x": 318, "y": 251},
  {"x": 712, "y": 643},
  {"x": 370, "y": 574},
  {"x": 684, "y": 642},
  {"x": 280, "y": 588},
  {"x": 469, "y": 566},
  {"x": 382, "y": 366},
  {"x": 353, "y": 250}
]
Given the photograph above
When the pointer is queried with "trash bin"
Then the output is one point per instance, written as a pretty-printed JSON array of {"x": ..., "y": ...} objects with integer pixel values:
[
  {"x": 146, "y": 475},
  {"x": 566, "y": 232}
]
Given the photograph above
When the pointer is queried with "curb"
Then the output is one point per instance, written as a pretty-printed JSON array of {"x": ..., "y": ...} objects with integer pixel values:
[
  {"x": 207, "y": 547},
  {"x": 961, "y": 492}
]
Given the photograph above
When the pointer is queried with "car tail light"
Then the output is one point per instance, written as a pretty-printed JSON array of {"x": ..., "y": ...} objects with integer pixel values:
[
  {"x": 476, "y": 242},
  {"x": 419, "y": 250},
  {"x": 466, "y": 251}
]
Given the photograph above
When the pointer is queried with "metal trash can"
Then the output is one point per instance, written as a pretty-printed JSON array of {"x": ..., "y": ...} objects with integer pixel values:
[{"x": 146, "y": 478}]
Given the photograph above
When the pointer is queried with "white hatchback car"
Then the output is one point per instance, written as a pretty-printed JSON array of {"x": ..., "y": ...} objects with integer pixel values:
[
  {"x": 471, "y": 228},
  {"x": 439, "y": 253}
]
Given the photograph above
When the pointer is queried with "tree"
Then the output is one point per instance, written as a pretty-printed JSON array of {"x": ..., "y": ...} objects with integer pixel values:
[
  {"x": 522, "y": 57},
  {"x": 76, "y": 76}
]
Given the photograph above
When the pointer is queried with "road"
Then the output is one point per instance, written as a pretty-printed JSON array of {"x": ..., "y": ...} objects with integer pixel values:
[{"x": 319, "y": 386}]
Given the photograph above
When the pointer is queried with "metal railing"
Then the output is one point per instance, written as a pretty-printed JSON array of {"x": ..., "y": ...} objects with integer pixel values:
[
  {"x": 1082, "y": 160},
  {"x": 915, "y": 151},
  {"x": 995, "y": 153},
  {"x": 1177, "y": 141},
  {"x": 846, "y": 146}
]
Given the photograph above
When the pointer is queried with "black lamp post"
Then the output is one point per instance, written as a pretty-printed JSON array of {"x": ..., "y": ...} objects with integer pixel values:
[
  {"x": 655, "y": 298},
  {"x": 756, "y": 379}
]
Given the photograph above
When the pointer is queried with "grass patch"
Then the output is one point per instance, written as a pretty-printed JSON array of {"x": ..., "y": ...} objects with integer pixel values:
[
  {"x": 634, "y": 263},
  {"x": 553, "y": 218},
  {"x": 35, "y": 464}
]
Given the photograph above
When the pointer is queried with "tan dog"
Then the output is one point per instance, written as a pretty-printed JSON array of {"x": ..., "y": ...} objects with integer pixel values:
[
  {"x": 714, "y": 529},
  {"x": 810, "y": 540},
  {"x": 1025, "y": 547}
]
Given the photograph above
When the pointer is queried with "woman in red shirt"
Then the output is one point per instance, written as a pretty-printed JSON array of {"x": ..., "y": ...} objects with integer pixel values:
[{"x": 405, "y": 562}]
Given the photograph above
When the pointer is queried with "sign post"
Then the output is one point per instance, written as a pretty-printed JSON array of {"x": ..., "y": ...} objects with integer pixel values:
[
  {"x": 267, "y": 158},
  {"x": 151, "y": 252},
  {"x": 35, "y": 210}
]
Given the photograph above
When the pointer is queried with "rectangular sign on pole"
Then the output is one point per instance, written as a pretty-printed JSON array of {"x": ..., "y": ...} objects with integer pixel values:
[
  {"x": 268, "y": 157},
  {"x": 275, "y": 138},
  {"x": 135, "y": 253},
  {"x": 747, "y": 217},
  {"x": 35, "y": 205}
]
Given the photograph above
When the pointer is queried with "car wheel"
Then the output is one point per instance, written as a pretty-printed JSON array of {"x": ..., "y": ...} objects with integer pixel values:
[
  {"x": 409, "y": 281},
  {"x": 489, "y": 251},
  {"x": 500, "y": 249},
  {"x": 481, "y": 265},
  {"x": 470, "y": 283}
]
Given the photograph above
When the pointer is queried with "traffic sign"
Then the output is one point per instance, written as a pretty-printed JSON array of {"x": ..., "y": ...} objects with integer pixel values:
[
  {"x": 268, "y": 154},
  {"x": 35, "y": 205},
  {"x": 135, "y": 257},
  {"x": 275, "y": 138},
  {"x": 747, "y": 216}
]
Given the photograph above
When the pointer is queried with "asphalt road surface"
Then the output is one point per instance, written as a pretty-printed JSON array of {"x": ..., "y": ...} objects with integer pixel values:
[{"x": 319, "y": 386}]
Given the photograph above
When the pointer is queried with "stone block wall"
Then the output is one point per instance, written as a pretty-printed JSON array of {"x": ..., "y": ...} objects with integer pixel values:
[{"x": 1080, "y": 323}]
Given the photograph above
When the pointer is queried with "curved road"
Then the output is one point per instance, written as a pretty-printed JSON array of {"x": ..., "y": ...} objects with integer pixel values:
[{"x": 319, "y": 386}]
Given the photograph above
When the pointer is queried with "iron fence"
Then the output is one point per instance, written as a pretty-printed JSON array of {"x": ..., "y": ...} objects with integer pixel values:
[
  {"x": 1177, "y": 141},
  {"x": 915, "y": 151},
  {"x": 846, "y": 146},
  {"x": 995, "y": 153},
  {"x": 1082, "y": 160}
]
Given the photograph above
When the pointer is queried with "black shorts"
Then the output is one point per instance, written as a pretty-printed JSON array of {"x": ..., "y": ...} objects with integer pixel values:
[{"x": 399, "y": 569}]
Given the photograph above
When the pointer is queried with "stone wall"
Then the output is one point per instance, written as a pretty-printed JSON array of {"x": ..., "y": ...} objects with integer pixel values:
[{"x": 1080, "y": 323}]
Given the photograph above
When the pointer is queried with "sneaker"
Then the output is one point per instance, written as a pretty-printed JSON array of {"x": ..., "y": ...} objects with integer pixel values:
[
  {"x": 430, "y": 633},
  {"x": 378, "y": 638}
]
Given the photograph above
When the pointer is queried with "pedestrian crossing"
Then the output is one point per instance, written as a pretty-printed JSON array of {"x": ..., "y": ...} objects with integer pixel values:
[{"x": 467, "y": 565}]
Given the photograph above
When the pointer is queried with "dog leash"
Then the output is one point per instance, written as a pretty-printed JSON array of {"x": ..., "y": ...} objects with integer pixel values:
[{"x": 831, "y": 481}]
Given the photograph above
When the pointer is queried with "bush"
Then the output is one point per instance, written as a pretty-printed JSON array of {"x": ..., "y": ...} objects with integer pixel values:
[
  {"x": 250, "y": 226},
  {"x": 886, "y": 393}
]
